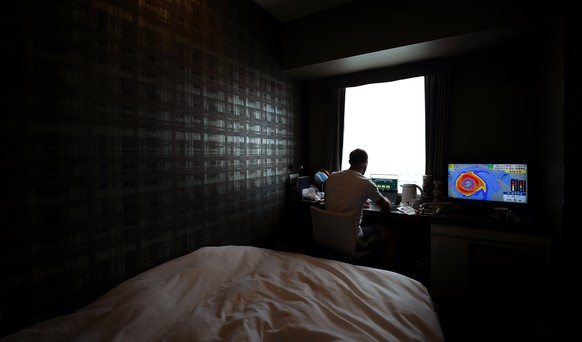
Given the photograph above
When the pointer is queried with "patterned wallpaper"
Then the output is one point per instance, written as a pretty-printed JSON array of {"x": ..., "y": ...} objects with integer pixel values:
[{"x": 136, "y": 131}]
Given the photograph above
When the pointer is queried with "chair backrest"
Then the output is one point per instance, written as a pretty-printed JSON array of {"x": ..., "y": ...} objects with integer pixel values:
[{"x": 335, "y": 231}]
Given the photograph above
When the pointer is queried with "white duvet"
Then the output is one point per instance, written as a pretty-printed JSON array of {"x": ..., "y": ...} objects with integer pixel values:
[{"x": 241, "y": 293}]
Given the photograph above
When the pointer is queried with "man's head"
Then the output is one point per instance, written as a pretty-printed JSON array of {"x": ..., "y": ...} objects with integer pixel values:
[{"x": 359, "y": 160}]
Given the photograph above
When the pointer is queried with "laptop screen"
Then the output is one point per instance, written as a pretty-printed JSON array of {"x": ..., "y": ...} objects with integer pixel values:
[{"x": 385, "y": 182}]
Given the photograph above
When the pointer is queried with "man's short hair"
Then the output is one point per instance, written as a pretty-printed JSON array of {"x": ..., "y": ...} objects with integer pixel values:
[{"x": 358, "y": 156}]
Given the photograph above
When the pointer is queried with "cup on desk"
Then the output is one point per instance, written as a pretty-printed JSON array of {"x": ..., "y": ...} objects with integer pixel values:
[{"x": 501, "y": 214}]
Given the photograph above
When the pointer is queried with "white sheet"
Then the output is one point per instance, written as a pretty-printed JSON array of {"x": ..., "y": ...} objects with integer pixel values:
[{"x": 241, "y": 293}]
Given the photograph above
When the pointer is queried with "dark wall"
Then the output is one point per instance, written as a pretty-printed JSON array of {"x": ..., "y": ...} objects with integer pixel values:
[
  {"x": 134, "y": 132},
  {"x": 494, "y": 112}
]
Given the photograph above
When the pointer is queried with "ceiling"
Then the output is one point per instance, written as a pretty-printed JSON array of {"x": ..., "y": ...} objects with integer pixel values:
[
  {"x": 287, "y": 10},
  {"x": 439, "y": 48}
]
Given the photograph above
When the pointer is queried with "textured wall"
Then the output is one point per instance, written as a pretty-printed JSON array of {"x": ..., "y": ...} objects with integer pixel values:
[{"x": 133, "y": 132}]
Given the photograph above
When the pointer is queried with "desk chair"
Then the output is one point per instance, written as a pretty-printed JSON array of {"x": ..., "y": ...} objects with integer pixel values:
[{"x": 336, "y": 232}]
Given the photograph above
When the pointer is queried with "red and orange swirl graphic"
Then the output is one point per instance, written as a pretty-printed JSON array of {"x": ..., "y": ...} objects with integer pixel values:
[{"x": 468, "y": 183}]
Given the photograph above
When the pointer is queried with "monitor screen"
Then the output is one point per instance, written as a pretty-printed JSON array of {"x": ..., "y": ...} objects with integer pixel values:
[
  {"x": 505, "y": 183},
  {"x": 385, "y": 182}
]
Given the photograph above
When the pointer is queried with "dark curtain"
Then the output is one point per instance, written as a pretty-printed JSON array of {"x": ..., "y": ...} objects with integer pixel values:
[
  {"x": 334, "y": 138},
  {"x": 437, "y": 106}
]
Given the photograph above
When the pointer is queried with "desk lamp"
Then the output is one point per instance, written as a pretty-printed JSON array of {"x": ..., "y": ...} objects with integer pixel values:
[{"x": 321, "y": 177}]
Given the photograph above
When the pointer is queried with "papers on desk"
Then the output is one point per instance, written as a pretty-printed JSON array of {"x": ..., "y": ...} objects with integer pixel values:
[
  {"x": 312, "y": 194},
  {"x": 407, "y": 210}
]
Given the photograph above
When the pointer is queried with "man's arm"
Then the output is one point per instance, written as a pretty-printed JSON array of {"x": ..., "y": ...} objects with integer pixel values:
[{"x": 384, "y": 204}]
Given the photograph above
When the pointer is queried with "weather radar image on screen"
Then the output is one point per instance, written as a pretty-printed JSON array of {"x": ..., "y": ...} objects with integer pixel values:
[{"x": 488, "y": 182}]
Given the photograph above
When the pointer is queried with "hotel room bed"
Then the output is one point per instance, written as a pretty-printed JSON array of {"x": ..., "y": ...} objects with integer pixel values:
[{"x": 242, "y": 293}]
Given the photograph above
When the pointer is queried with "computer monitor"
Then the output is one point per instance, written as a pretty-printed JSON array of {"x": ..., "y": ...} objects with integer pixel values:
[{"x": 385, "y": 182}]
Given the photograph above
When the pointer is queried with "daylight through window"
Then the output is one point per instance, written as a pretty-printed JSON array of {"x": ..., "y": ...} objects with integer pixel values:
[{"x": 388, "y": 121}]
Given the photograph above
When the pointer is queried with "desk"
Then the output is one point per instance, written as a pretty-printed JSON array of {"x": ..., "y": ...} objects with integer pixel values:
[
  {"x": 482, "y": 219},
  {"x": 469, "y": 254}
]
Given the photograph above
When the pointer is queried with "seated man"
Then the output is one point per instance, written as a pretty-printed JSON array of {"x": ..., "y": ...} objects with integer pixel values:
[{"x": 349, "y": 191}]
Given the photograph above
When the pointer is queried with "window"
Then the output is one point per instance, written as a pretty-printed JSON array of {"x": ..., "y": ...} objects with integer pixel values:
[{"x": 388, "y": 121}]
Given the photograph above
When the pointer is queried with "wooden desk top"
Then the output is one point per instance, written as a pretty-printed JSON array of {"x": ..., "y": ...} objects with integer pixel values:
[{"x": 481, "y": 220}]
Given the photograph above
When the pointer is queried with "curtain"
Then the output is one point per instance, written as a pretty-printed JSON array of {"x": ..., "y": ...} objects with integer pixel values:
[
  {"x": 437, "y": 106},
  {"x": 334, "y": 138}
]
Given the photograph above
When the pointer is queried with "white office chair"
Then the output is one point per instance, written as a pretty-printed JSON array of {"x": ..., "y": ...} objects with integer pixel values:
[{"x": 336, "y": 232}]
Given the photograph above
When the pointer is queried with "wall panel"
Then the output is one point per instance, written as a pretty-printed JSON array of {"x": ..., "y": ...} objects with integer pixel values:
[{"x": 138, "y": 131}]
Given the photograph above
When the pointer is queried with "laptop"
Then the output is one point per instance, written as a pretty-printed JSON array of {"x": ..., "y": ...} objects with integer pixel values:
[{"x": 388, "y": 186}]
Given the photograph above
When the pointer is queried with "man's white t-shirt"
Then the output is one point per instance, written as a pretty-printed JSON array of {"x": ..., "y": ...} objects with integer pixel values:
[{"x": 346, "y": 192}]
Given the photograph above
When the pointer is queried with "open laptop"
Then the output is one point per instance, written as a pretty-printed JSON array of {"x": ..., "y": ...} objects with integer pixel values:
[{"x": 388, "y": 186}]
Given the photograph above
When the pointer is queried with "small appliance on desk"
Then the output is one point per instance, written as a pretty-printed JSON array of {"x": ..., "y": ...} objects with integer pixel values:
[{"x": 409, "y": 193}]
